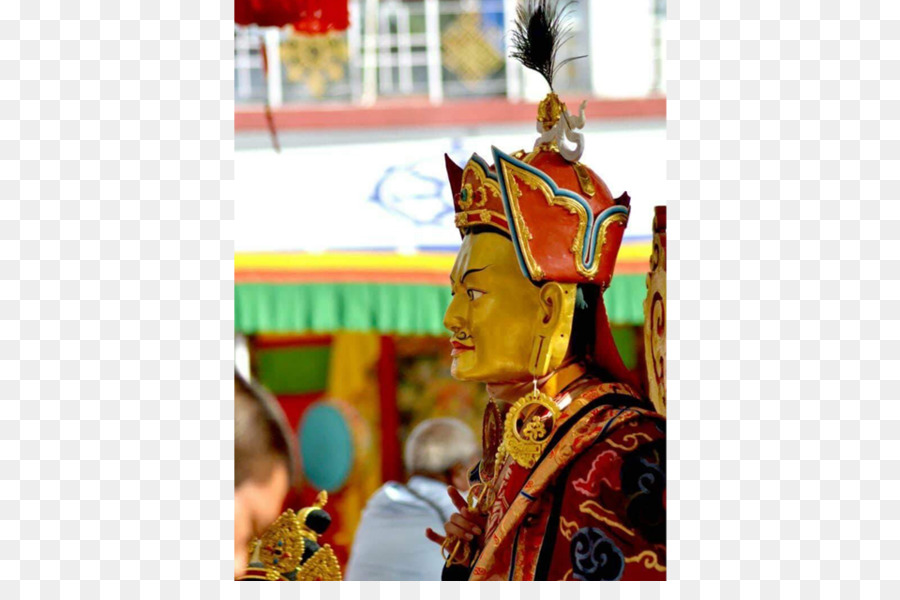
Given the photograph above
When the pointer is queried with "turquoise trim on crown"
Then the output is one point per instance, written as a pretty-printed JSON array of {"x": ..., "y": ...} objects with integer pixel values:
[
  {"x": 592, "y": 240},
  {"x": 510, "y": 221},
  {"x": 593, "y": 227},
  {"x": 486, "y": 169}
]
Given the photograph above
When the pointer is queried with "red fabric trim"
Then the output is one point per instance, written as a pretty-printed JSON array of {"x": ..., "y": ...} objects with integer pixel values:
[
  {"x": 295, "y": 405},
  {"x": 630, "y": 268},
  {"x": 475, "y": 220},
  {"x": 419, "y": 112},
  {"x": 606, "y": 355},
  {"x": 391, "y": 462},
  {"x": 307, "y": 16},
  {"x": 408, "y": 277},
  {"x": 266, "y": 342},
  {"x": 349, "y": 276}
]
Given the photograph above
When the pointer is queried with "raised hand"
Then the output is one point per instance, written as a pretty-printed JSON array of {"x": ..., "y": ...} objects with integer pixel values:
[{"x": 463, "y": 525}]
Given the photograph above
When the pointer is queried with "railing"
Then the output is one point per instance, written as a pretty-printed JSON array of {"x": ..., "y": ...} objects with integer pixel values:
[{"x": 418, "y": 48}]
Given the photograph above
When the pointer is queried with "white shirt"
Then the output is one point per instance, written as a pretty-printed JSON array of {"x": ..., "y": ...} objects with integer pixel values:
[{"x": 390, "y": 542}]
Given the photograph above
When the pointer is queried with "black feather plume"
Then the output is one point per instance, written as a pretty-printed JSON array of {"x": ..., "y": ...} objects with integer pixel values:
[{"x": 539, "y": 34}]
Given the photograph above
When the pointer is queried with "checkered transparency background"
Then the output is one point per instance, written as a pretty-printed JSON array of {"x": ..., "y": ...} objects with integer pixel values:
[{"x": 116, "y": 305}]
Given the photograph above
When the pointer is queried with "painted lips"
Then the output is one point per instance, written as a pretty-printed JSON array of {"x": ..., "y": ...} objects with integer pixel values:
[{"x": 459, "y": 348}]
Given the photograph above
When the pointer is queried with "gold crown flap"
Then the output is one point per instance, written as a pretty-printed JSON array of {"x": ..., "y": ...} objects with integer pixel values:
[
  {"x": 323, "y": 566},
  {"x": 526, "y": 445},
  {"x": 655, "y": 315},
  {"x": 479, "y": 200},
  {"x": 555, "y": 197},
  {"x": 477, "y": 184}
]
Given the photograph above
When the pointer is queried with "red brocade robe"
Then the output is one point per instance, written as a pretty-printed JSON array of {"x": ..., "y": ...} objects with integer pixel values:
[{"x": 593, "y": 506}]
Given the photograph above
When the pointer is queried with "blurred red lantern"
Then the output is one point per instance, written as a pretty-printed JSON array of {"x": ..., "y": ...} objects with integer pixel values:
[{"x": 307, "y": 16}]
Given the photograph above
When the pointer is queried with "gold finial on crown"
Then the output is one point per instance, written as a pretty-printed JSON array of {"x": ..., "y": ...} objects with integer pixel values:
[{"x": 549, "y": 111}]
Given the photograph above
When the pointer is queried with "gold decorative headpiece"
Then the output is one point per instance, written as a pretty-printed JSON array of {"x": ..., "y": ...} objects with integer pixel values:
[{"x": 289, "y": 548}]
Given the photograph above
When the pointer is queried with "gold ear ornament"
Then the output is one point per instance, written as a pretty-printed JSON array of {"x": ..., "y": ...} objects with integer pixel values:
[{"x": 526, "y": 444}]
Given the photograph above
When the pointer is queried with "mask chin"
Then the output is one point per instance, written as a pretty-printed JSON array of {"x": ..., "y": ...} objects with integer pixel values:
[{"x": 496, "y": 375}]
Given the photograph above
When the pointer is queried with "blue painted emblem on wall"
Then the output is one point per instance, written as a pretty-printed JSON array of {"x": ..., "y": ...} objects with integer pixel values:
[{"x": 419, "y": 190}]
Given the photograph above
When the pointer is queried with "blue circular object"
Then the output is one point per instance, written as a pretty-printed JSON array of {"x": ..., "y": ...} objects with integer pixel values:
[{"x": 326, "y": 447}]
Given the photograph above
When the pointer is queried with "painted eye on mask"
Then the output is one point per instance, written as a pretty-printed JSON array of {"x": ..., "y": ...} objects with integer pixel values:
[{"x": 474, "y": 294}]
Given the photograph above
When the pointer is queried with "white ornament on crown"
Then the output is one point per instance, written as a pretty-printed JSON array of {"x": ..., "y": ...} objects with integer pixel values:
[{"x": 562, "y": 130}]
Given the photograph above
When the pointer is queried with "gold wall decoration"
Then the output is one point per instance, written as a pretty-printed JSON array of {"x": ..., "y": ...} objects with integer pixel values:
[
  {"x": 315, "y": 60},
  {"x": 466, "y": 51}
]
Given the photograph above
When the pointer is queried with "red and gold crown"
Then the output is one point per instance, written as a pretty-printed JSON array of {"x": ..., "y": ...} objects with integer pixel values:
[{"x": 563, "y": 221}]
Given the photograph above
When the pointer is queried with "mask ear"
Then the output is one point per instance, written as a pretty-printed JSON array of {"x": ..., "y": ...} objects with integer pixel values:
[{"x": 554, "y": 328}]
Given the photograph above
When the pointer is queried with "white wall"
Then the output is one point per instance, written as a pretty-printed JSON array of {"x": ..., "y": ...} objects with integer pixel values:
[
  {"x": 321, "y": 197},
  {"x": 621, "y": 47}
]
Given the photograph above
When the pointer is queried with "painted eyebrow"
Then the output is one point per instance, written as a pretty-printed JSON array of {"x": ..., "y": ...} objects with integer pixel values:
[
  {"x": 470, "y": 271},
  {"x": 467, "y": 273}
]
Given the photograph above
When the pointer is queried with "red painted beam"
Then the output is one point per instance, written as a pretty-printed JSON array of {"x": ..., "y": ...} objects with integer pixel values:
[
  {"x": 341, "y": 276},
  {"x": 270, "y": 341},
  {"x": 391, "y": 457},
  {"x": 418, "y": 112},
  {"x": 623, "y": 267}
]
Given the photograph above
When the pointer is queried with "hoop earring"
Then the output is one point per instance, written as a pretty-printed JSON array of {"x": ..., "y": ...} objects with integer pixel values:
[{"x": 526, "y": 444}]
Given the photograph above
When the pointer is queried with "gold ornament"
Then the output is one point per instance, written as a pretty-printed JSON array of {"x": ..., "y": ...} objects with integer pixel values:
[
  {"x": 584, "y": 179},
  {"x": 549, "y": 111},
  {"x": 281, "y": 546},
  {"x": 279, "y": 552},
  {"x": 491, "y": 436},
  {"x": 315, "y": 60},
  {"x": 526, "y": 445},
  {"x": 481, "y": 497},
  {"x": 466, "y": 52},
  {"x": 456, "y": 551},
  {"x": 323, "y": 566}
]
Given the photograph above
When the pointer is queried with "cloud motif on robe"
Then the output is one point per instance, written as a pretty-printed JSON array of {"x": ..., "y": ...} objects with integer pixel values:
[{"x": 595, "y": 557}]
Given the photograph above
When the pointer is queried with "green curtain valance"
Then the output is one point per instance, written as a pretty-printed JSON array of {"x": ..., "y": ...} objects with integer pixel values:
[{"x": 386, "y": 308}]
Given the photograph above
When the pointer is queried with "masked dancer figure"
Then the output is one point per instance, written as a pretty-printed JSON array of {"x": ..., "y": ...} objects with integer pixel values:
[{"x": 572, "y": 481}]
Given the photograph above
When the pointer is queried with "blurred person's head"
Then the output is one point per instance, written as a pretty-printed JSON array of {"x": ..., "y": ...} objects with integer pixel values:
[
  {"x": 263, "y": 464},
  {"x": 442, "y": 449}
]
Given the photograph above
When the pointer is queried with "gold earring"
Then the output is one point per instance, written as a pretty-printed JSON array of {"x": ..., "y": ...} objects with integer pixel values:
[{"x": 527, "y": 444}]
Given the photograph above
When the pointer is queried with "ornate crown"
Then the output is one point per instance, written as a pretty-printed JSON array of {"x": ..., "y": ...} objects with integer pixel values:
[
  {"x": 289, "y": 548},
  {"x": 563, "y": 221},
  {"x": 561, "y": 217}
]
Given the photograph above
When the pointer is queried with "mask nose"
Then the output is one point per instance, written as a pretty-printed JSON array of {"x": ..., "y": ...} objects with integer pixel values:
[{"x": 453, "y": 318}]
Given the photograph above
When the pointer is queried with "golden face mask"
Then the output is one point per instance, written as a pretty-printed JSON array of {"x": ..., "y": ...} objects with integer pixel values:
[{"x": 503, "y": 327}]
